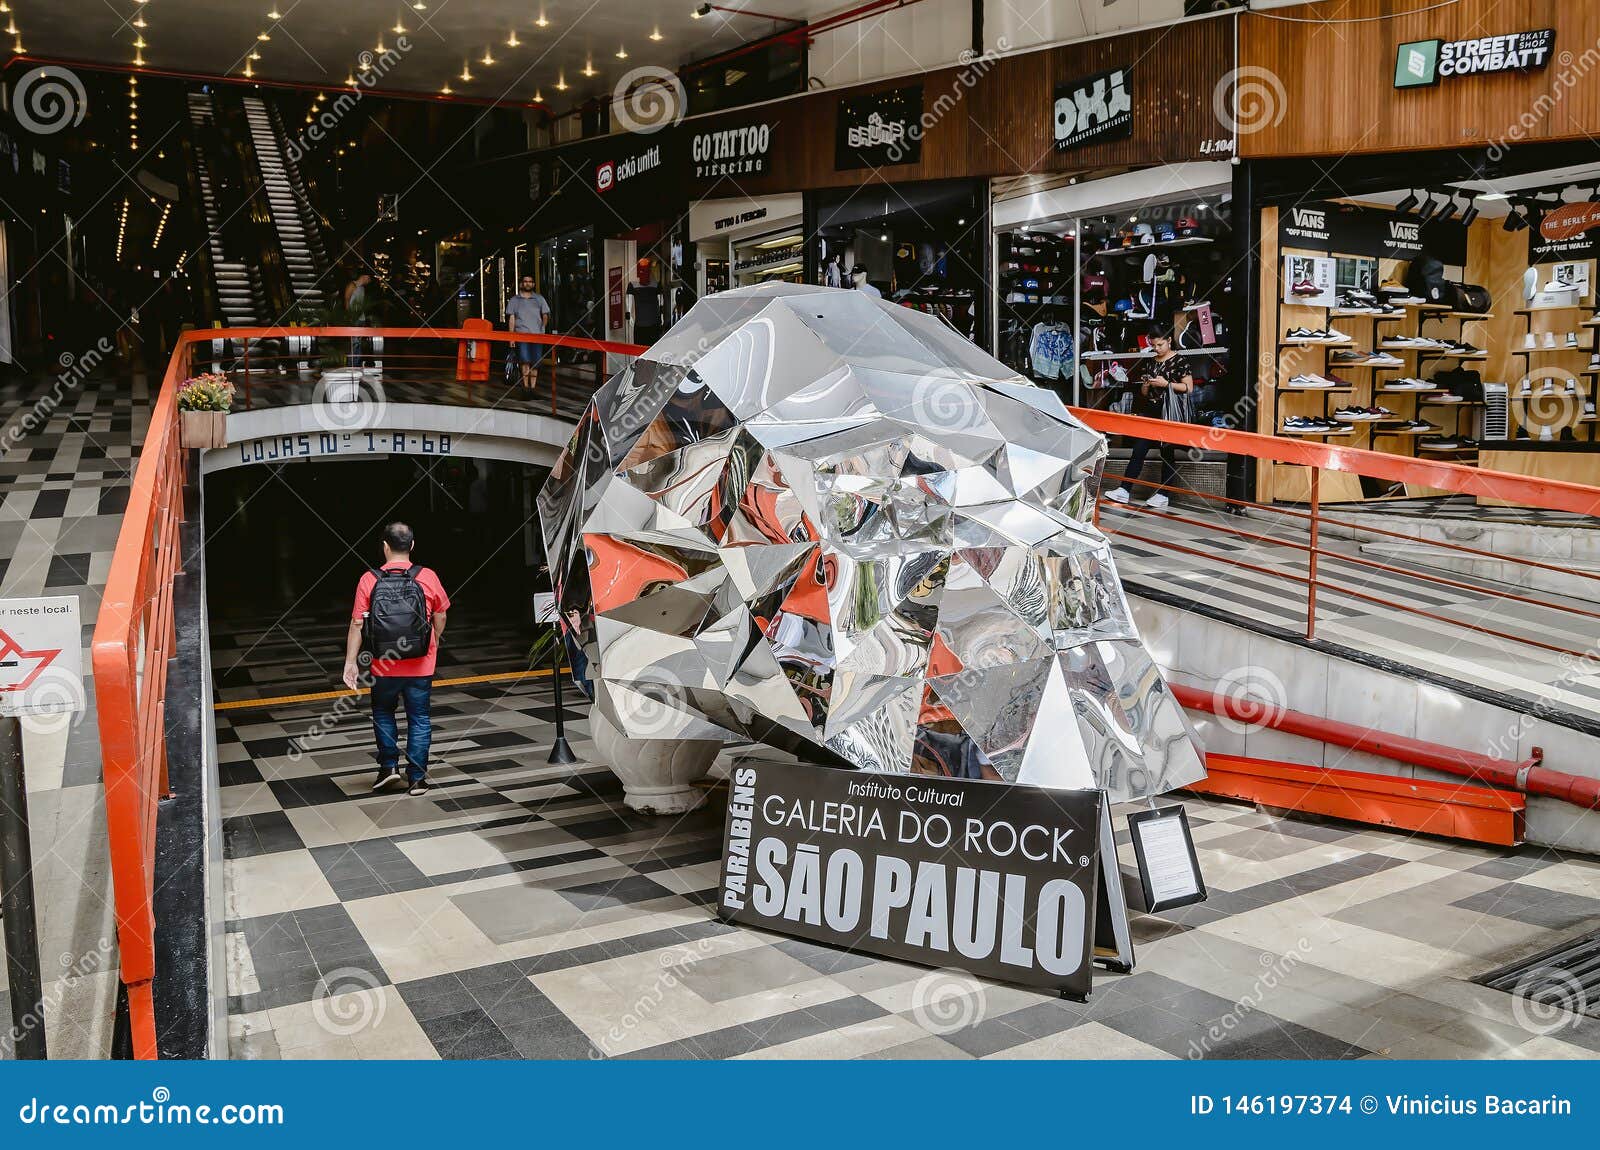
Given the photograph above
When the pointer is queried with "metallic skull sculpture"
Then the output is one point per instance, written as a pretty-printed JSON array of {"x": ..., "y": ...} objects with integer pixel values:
[{"x": 830, "y": 524}]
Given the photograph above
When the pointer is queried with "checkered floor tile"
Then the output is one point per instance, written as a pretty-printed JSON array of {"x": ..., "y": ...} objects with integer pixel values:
[{"x": 521, "y": 910}]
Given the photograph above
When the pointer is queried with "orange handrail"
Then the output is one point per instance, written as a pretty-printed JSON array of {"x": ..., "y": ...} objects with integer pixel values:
[
  {"x": 135, "y": 634},
  {"x": 1552, "y": 494}
]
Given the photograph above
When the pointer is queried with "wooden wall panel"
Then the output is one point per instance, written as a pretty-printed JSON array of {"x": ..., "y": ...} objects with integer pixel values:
[
  {"x": 1337, "y": 79},
  {"x": 998, "y": 115}
]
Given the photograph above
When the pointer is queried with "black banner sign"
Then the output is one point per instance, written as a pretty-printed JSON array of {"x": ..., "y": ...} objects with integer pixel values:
[
  {"x": 1098, "y": 107},
  {"x": 1346, "y": 229},
  {"x": 879, "y": 129},
  {"x": 996, "y": 879}
]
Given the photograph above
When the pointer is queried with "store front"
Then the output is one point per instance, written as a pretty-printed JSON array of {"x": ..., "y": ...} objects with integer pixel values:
[
  {"x": 739, "y": 241},
  {"x": 1439, "y": 305},
  {"x": 608, "y": 235},
  {"x": 919, "y": 245}
]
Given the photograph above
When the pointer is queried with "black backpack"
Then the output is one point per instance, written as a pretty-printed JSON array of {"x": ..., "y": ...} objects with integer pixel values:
[{"x": 397, "y": 625}]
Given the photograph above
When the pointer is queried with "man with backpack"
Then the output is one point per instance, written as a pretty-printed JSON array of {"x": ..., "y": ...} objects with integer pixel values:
[{"x": 398, "y": 618}]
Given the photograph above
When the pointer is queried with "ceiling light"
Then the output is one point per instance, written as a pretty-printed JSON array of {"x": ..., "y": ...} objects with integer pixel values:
[
  {"x": 561, "y": 83},
  {"x": 380, "y": 49},
  {"x": 541, "y": 21},
  {"x": 138, "y": 59},
  {"x": 248, "y": 73},
  {"x": 1470, "y": 214},
  {"x": 445, "y": 91},
  {"x": 466, "y": 73},
  {"x": 274, "y": 15},
  {"x": 588, "y": 68},
  {"x": 12, "y": 29},
  {"x": 622, "y": 53},
  {"x": 420, "y": 6},
  {"x": 140, "y": 22},
  {"x": 1407, "y": 204},
  {"x": 254, "y": 55},
  {"x": 1493, "y": 196},
  {"x": 399, "y": 28},
  {"x": 538, "y": 96},
  {"x": 656, "y": 34},
  {"x": 699, "y": 12},
  {"x": 138, "y": 41},
  {"x": 512, "y": 41},
  {"x": 262, "y": 36}
]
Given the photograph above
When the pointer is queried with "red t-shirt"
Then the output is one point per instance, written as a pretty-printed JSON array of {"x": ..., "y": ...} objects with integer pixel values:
[{"x": 432, "y": 591}]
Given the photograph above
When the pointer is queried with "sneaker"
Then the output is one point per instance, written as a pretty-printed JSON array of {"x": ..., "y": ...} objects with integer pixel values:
[
  {"x": 1350, "y": 414},
  {"x": 1549, "y": 341},
  {"x": 1594, "y": 362},
  {"x": 1118, "y": 495},
  {"x": 1530, "y": 341},
  {"x": 1157, "y": 500},
  {"x": 386, "y": 777},
  {"x": 1309, "y": 382},
  {"x": 418, "y": 786},
  {"x": 1384, "y": 359}
]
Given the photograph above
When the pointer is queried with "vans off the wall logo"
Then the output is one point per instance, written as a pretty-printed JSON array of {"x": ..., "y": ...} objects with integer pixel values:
[
  {"x": 1307, "y": 224},
  {"x": 1098, "y": 107},
  {"x": 1403, "y": 232}
]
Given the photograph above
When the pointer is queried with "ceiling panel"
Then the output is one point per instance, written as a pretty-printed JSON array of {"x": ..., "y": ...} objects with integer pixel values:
[{"x": 323, "y": 41}]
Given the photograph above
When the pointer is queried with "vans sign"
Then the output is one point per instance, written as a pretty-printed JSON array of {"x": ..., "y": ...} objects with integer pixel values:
[
  {"x": 1371, "y": 233},
  {"x": 1095, "y": 108}
]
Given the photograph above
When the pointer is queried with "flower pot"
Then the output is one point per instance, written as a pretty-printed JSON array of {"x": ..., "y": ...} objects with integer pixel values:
[
  {"x": 341, "y": 385},
  {"x": 202, "y": 429}
]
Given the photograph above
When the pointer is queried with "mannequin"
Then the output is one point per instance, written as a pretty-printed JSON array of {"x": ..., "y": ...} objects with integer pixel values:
[
  {"x": 858, "y": 277},
  {"x": 645, "y": 304}
]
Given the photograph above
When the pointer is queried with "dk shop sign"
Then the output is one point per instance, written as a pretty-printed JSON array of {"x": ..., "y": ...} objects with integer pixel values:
[
  {"x": 1094, "y": 108},
  {"x": 996, "y": 879}
]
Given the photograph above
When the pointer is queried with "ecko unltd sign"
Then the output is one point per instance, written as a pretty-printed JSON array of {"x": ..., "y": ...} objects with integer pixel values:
[{"x": 609, "y": 173}]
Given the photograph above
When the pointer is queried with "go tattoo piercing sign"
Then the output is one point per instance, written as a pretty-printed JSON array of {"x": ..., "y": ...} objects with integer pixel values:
[{"x": 997, "y": 879}]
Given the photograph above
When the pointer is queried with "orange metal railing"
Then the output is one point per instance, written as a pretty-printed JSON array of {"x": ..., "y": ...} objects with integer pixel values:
[
  {"x": 135, "y": 631},
  {"x": 1529, "y": 491}
]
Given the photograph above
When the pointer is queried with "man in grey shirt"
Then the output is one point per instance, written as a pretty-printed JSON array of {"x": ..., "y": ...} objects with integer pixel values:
[{"x": 527, "y": 311}]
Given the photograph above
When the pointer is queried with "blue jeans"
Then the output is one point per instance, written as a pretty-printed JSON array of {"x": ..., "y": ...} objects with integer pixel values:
[
  {"x": 415, "y": 693},
  {"x": 530, "y": 354}
]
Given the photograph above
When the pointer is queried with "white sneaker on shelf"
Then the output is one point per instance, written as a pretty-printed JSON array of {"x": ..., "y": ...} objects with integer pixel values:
[
  {"x": 1550, "y": 340},
  {"x": 1530, "y": 341},
  {"x": 1118, "y": 495},
  {"x": 1157, "y": 500}
]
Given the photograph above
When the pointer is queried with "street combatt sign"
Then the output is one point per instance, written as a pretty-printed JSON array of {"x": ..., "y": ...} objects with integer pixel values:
[{"x": 999, "y": 880}]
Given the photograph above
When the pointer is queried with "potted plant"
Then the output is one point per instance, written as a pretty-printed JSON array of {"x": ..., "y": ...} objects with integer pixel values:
[{"x": 203, "y": 405}]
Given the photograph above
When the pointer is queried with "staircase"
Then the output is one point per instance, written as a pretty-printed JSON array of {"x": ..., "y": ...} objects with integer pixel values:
[
  {"x": 241, "y": 299},
  {"x": 299, "y": 234}
]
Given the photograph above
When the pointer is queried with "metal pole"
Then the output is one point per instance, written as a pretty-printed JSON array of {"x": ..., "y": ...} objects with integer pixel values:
[
  {"x": 1311, "y": 573},
  {"x": 16, "y": 899},
  {"x": 561, "y": 751}
]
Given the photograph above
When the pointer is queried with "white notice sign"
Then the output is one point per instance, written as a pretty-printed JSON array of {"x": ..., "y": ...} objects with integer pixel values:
[
  {"x": 1168, "y": 868},
  {"x": 41, "y": 656}
]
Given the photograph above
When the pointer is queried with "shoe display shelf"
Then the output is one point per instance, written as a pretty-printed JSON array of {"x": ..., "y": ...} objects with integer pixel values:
[
  {"x": 1554, "y": 412},
  {"x": 1372, "y": 384}
]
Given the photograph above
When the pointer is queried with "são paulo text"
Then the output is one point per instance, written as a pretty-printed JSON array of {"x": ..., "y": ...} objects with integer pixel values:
[{"x": 980, "y": 914}]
